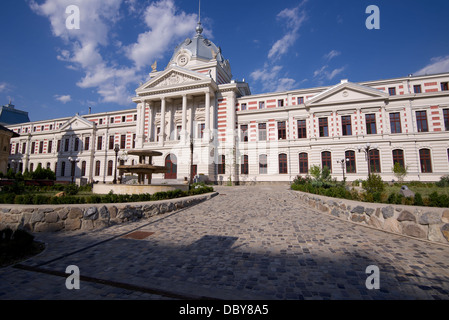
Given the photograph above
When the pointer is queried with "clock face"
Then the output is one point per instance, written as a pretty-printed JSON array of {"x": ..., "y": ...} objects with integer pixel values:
[{"x": 183, "y": 60}]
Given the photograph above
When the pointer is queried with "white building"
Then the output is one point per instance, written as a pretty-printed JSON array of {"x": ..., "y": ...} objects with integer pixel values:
[{"x": 246, "y": 138}]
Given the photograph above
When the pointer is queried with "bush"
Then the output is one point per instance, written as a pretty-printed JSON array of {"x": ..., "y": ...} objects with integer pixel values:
[
  {"x": 418, "y": 201},
  {"x": 444, "y": 182},
  {"x": 71, "y": 189},
  {"x": 373, "y": 184}
]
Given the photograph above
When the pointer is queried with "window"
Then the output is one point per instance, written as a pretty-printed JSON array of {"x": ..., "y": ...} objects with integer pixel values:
[
  {"x": 244, "y": 168},
  {"x": 32, "y": 167},
  {"x": 83, "y": 168},
  {"x": 244, "y": 133},
  {"x": 112, "y": 120},
  {"x": 346, "y": 125},
  {"x": 123, "y": 118},
  {"x": 77, "y": 144},
  {"x": 24, "y": 148},
  {"x": 100, "y": 143},
  {"x": 135, "y": 117},
  {"x": 392, "y": 91},
  {"x": 33, "y": 147},
  {"x": 201, "y": 127},
  {"x": 302, "y": 129},
  {"x": 424, "y": 158},
  {"x": 41, "y": 146},
  {"x": 48, "y": 165},
  {"x": 262, "y": 131},
  {"x": 421, "y": 121},
  {"x": 324, "y": 127},
  {"x": 58, "y": 146},
  {"x": 326, "y": 160},
  {"x": 446, "y": 119},
  {"x": 263, "y": 164},
  {"x": 444, "y": 86},
  {"x": 86, "y": 143},
  {"x": 50, "y": 146},
  {"x": 395, "y": 122},
  {"x": 282, "y": 130},
  {"x": 243, "y": 107},
  {"x": 300, "y": 100},
  {"x": 283, "y": 163},
  {"x": 123, "y": 141},
  {"x": 221, "y": 167},
  {"x": 398, "y": 157},
  {"x": 350, "y": 161},
  {"x": 178, "y": 135},
  {"x": 66, "y": 145},
  {"x": 62, "y": 168},
  {"x": 374, "y": 161},
  {"x": 303, "y": 163},
  {"x": 371, "y": 124},
  {"x": 417, "y": 88},
  {"x": 110, "y": 167},
  {"x": 97, "y": 168},
  {"x": 261, "y": 104},
  {"x": 101, "y": 121},
  {"x": 280, "y": 102},
  {"x": 111, "y": 143}
]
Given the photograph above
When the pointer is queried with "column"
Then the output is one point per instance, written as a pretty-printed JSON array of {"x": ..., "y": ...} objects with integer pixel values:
[
  {"x": 207, "y": 116},
  {"x": 184, "y": 119},
  {"x": 162, "y": 134},
  {"x": 141, "y": 138}
]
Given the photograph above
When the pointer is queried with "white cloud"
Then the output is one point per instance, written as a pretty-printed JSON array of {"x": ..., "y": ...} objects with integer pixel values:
[
  {"x": 63, "y": 98},
  {"x": 271, "y": 79},
  {"x": 4, "y": 87},
  {"x": 324, "y": 74},
  {"x": 292, "y": 19},
  {"x": 437, "y": 65},
  {"x": 166, "y": 26},
  {"x": 332, "y": 54},
  {"x": 84, "y": 47}
]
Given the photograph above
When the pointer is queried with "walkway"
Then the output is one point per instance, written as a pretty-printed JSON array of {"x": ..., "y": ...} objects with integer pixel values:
[{"x": 254, "y": 242}]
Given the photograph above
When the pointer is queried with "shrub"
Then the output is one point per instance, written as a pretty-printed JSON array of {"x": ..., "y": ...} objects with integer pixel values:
[
  {"x": 399, "y": 171},
  {"x": 444, "y": 182},
  {"x": 418, "y": 201},
  {"x": 71, "y": 189},
  {"x": 373, "y": 184}
]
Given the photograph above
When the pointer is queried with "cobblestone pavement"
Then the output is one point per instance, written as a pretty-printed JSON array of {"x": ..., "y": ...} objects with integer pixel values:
[{"x": 255, "y": 242}]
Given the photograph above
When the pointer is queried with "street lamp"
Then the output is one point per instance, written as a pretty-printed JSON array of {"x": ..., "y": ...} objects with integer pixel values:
[
  {"x": 191, "y": 159},
  {"x": 343, "y": 162},
  {"x": 116, "y": 149},
  {"x": 367, "y": 148}
]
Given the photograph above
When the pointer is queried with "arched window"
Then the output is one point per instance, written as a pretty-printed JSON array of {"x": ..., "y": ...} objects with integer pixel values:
[
  {"x": 63, "y": 169},
  {"x": 83, "y": 168},
  {"x": 426, "y": 161},
  {"x": 303, "y": 163},
  {"x": 110, "y": 167},
  {"x": 283, "y": 163},
  {"x": 97, "y": 168},
  {"x": 171, "y": 165},
  {"x": 374, "y": 161},
  {"x": 326, "y": 160},
  {"x": 398, "y": 157},
  {"x": 350, "y": 161}
]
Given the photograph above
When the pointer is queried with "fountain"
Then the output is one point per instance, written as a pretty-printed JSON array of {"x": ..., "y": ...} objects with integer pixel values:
[{"x": 144, "y": 169}]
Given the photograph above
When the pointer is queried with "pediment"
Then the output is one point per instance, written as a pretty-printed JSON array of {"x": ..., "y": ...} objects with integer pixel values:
[
  {"x": 346, "y": 92},
  {"x": 173, "y": 77},
  {"x": 76, "y": 123}
]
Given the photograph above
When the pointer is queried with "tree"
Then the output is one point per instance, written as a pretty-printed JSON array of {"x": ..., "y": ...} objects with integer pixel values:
[{"x": 400, "y": 171}]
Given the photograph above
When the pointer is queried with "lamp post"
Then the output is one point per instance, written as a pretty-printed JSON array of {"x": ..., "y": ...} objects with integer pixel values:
[
  {"x": 343, "y": 162},
  {"x": 116, "y": 150},
  {"x": 191, "y": 159}
]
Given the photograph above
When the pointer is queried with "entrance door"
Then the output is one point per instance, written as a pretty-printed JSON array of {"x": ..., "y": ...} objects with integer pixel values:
[{"x": 170, "y": 164}]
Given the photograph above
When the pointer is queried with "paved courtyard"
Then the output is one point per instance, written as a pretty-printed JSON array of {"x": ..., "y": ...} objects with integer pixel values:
[{"x": 255, "y": 242}]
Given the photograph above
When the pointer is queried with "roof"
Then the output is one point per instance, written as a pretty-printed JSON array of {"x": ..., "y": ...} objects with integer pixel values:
[{"x": 14, "y": 134}]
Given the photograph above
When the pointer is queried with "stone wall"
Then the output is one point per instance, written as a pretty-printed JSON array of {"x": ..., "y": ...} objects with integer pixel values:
[
  {"x": 426, "y": 223},
  {"x": 52, "y": 218}
]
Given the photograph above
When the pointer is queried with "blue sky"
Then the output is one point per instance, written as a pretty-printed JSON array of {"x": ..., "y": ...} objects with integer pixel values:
[{"x": 51, "y": 71}]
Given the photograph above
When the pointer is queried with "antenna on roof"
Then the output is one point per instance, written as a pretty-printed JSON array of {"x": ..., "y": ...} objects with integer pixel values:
[
  {"x": 199, "y": 28},
  {"x": 199, "y": 11}
]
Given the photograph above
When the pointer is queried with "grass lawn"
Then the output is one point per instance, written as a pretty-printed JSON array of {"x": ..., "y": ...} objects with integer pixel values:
[{"x": 425, "y": 189}]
